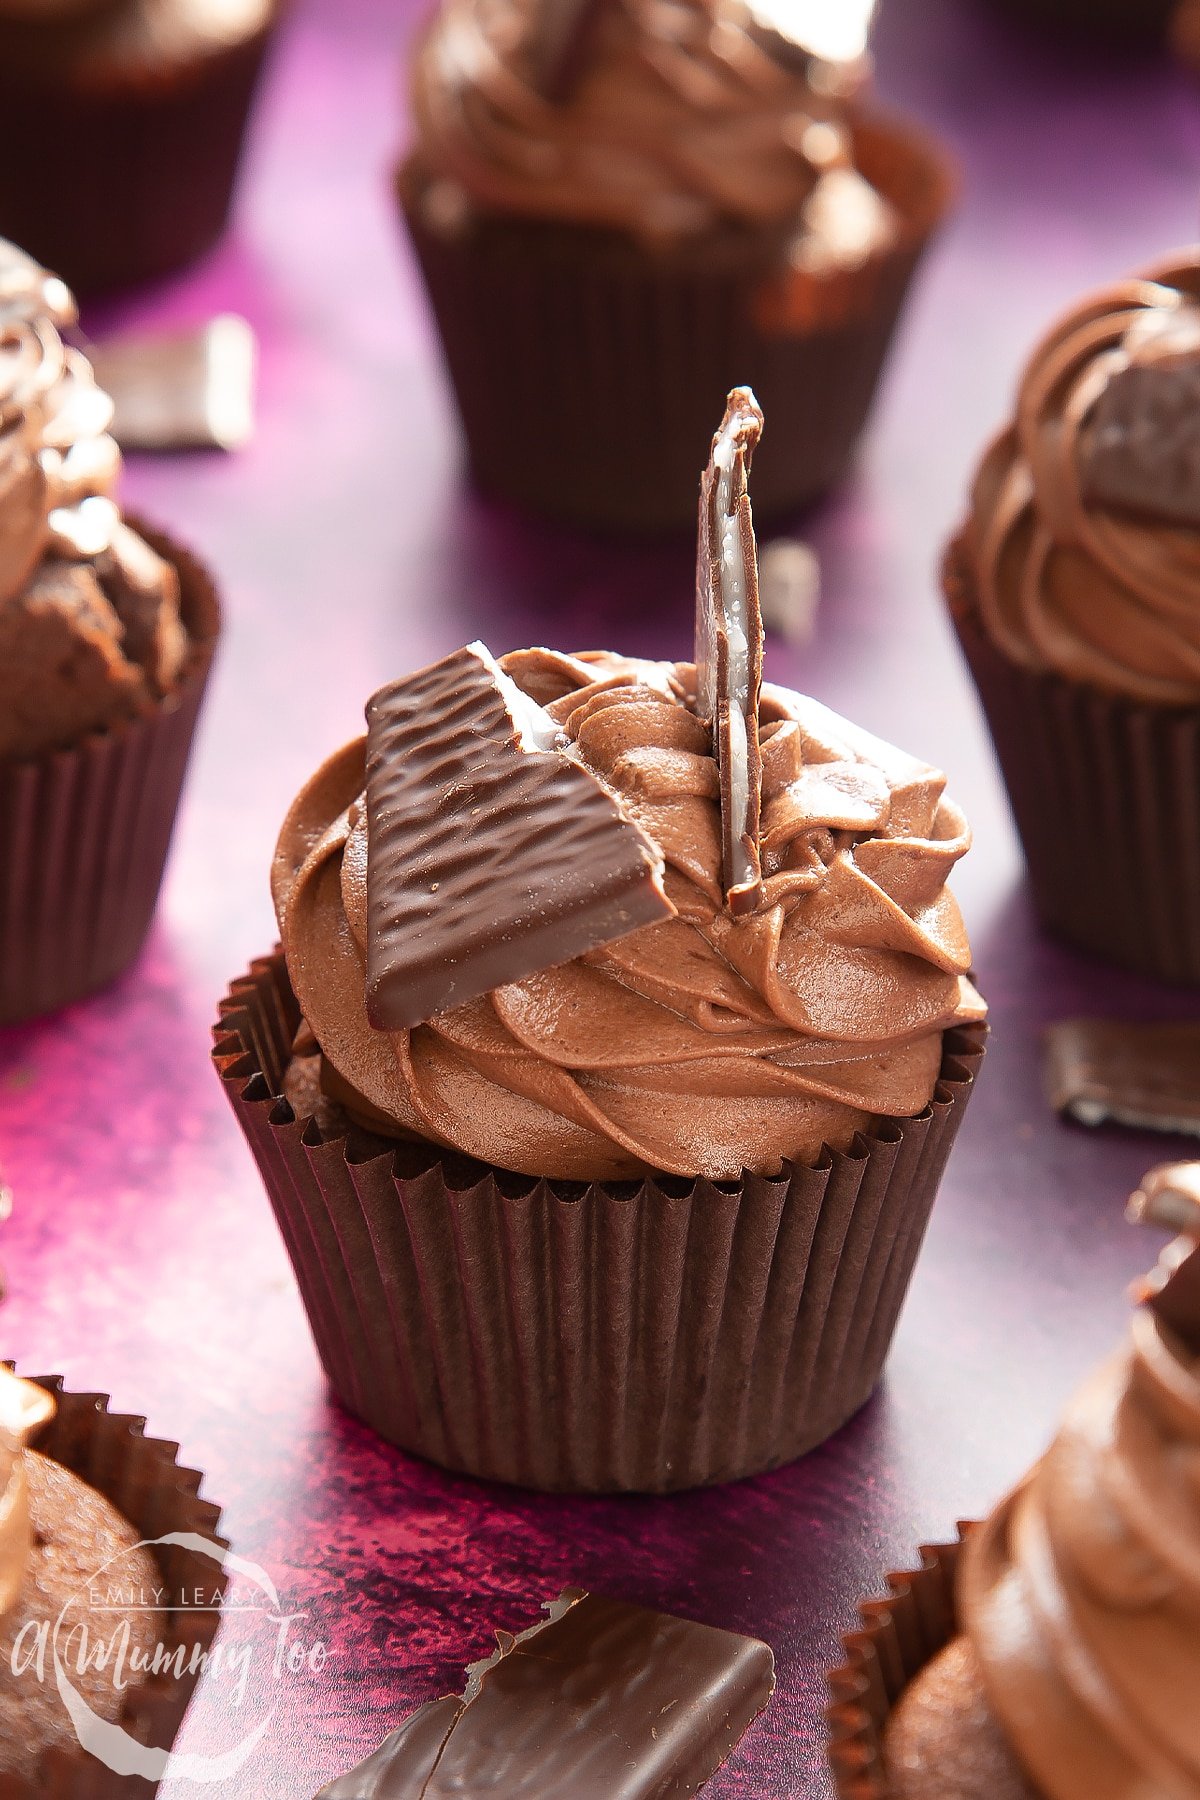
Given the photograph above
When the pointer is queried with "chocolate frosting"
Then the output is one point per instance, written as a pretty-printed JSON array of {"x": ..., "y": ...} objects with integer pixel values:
[
  {"x": 1084, "y": 563},
  {"x": 24, "y": 1409},
  {"x": 1081, "y": 1594},
  {"x": 699, "y": 1046},
  {"x": 683, "y": 115},
  {"x": 89, "y": 615}
]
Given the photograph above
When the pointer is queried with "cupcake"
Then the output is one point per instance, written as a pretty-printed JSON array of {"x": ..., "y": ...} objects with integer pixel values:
[
  {"x": 1075, "y": 590},
  {"x": 618, "y": 216},
  {"x": 107, "y": 630},
  {"x": 620, "y": 1034},
  {"x": 138, "y": 109},
  {"x": 1055, "y": 1653},
  {"x": 90, "y": 1698}
]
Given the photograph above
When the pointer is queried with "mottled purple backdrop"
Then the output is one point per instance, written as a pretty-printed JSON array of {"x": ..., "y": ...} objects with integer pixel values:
[{"x": 141, "y": 1253}]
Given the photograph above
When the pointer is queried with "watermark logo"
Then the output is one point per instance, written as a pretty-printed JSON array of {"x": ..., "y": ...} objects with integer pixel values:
[{"x": 116, "y": 1634}]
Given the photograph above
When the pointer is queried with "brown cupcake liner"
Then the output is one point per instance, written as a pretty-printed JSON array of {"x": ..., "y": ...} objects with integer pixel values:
[
  {"x": 590, "y": 371},
  {"x": 1130, "y": 21},
  {"x": 602, "y": 1338},
  {"x": 1106, "y": 797},
  {"x": 133, "y": 175},
  {"x": 84, "y": 833},
  {"x": 143, "y": 1480},
  {"x": 899, "y": 1636}
]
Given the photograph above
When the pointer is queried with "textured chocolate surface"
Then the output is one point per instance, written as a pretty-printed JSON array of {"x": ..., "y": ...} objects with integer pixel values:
[
  {"x": 1106, "y": 1072},
  {"x": 1140, "y": 449},
  {"x": 601, "y": 1701},
  {"x": 488, "y": 860},
  {"x": 729, "y": 643}
]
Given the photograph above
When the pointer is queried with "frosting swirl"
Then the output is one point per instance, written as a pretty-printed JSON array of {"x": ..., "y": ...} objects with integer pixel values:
[
  {"x": 686, "y": 114},
  {"x": 90, "y": 630},
  {"x": 1081, "y": 1594},
  {"x": 1063, "y": 582},
  {"x": 58, "y": 465},
  {"x": 700, "y": 1046}
]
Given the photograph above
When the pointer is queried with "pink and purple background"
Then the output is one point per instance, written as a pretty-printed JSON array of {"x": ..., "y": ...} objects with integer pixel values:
[{"x": 141, "y": 1255}]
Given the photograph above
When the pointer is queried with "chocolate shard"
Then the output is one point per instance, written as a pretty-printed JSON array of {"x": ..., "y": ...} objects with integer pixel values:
[
  {"x": 181, "y": 390},
  {"x": 1100, "y": 1071},
  {"x": 558, "y": 43},
  {"x": 599, "y": 1701},
  {"x": 1139, "y": 450},
  {"x": 492, "y": 853},
  {"x": 729, "y": 645}
]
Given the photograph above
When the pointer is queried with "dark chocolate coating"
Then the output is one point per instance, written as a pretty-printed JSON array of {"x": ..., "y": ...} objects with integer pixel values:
[
  {"x": 602, "y": 1701},
  {"x": 719, "y": 670},
  {"x": 487, "y": 861},
  {"x": 1176, "y": 1305},
  {"x": 1146, "y": 1076},
  {"x": 943, "y": 1742},
  {"x": 1140, "y": 448}
]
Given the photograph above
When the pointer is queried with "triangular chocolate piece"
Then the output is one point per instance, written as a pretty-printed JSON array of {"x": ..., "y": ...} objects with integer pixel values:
[
  {"x": 729, "y": 645},
  {"x": 1139, "y": 449},
  {"x": 491, "y": 853}
]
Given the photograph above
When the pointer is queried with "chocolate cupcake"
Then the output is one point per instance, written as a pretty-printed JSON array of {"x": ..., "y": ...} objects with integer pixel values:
[
  {"x": 1075, "y": 590},
  {"x": 1055, "y": 1654},
  {"x": 106, "y": 636},
  {"x": 91, "y": 1700},
  {"x": 121, "y": 129},
  {"x": 619, "y": 210},
  {"x": 620, "y": 1037}
]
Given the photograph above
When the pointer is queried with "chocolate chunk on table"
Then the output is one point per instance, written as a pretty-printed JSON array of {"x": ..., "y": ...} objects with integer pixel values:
[
  {"x": 492, "y": 853},
  {"x": 1100, "y": 1071},
  {"x": 729, "y": 644},
  {"x": 181, "y": 390},
  {"x": 600, "y": 1701},
  {"x": 1139, "y": 450}
]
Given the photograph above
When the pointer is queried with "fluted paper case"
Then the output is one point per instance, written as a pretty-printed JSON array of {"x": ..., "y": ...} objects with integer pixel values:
[
  {"x": 613, "y": 1337},
  {"x": 1106, "y": 797},
  {"x": 84, "y": 832},
  {"x": 898, "y": 1637}
]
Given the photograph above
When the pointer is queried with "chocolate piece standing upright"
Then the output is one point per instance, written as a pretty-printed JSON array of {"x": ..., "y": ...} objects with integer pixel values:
[
  {"x": 729, "y": 644},
  {"x": 1148, "y": 1076},
  {"x": 599, "y": 1701},
  {"x": 492, "y": 854}
]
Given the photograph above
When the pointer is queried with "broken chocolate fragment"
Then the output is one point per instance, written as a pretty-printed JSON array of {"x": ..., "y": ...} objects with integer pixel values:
[
  {"x": 1099, "y": 1071},
  {"x": 729, "y": 645},
  {"x": 181, "y": 390},
  {"x": 1139, "y": 450},
  {"x": 600, "y": 1701},
  {"x": 492, "y": 853},
  {"x": 1169, "y": 1196}
]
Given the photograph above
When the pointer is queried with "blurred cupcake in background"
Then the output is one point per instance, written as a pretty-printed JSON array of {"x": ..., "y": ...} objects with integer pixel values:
[
  {"x": 121, "y": 129},
  {"x": 1075, "y": 589},
  {"x": 108, "y": 1555},
  {"x": 622, "y": 207},
  {"x": 107, "y": 631},
  {"x": 1055, "y": 1654},
  {"x": 1106, "y": 21}
]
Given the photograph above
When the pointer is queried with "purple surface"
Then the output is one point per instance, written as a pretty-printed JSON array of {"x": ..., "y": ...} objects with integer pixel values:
[{"x": 141, "y": 1254}]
